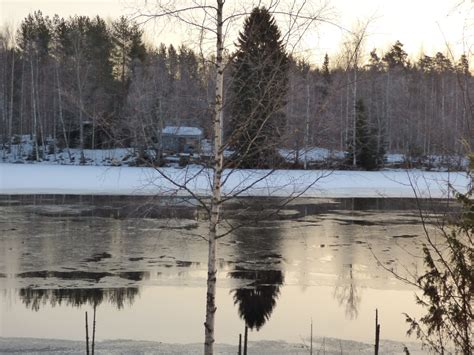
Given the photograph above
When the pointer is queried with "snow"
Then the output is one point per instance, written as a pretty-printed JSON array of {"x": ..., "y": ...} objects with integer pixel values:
[
  {"x": 128, "y": 156},
  {"x": 311, "y": 154},
  {"x": 395, "y": 158},
  {"x": 182, "y": 131},
  {"x": 100, "y": 180},
  {"x": 329, "y": 346},
  {"x": 107, "y": 157}
]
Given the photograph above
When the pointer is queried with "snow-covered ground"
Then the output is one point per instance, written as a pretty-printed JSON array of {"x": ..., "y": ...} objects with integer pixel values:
[
  {"x": 60, "y": 173},
  {"x": 311, "y": 154},
  {"x": 107, "y": 157},
  {"x": 100, "y": 180},
  {"x": 327, "y": 346},
  {"x": 24, "y": 153}
]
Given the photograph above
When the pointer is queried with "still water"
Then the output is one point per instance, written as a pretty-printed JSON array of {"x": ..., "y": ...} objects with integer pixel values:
[{"x": 142, "y": 264}]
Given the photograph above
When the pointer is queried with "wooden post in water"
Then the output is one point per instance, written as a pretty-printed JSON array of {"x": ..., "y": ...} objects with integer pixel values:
[
  {"x": 311, "y": 339},
  {"x": 245, "y": 339},
  {"x": 240, "y": 344},
  {"x": 377, "y": 332},
  {"x": 93, "y": 331},
  {"x": 87, "y": 336}
]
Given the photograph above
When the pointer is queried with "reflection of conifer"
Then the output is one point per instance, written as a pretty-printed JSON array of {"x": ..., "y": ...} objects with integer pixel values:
[
  {"x": 35, "y": 298},
  {"x": 257, "y": 300}
]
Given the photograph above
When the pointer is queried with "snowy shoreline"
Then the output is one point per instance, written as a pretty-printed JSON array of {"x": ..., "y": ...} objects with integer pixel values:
[{"x": 99, "y": 180}]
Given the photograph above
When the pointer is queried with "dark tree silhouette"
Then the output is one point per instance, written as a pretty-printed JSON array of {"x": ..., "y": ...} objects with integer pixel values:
[
  {"x": 77, "y": 297},
  {"x": 369, "y": 154},
  {"x": 259, "y": 88},
  {"x": 257, "y": 300}
]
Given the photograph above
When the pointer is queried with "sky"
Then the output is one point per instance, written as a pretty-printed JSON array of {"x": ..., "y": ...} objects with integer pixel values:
[{"x": 421, "y": 25}]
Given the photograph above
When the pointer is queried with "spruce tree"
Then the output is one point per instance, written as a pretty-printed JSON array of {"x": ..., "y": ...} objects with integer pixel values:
[
  {"x": 259, "y": 89},
  {"x": 326, "y": 72},
  {"x": 369, "y": 154}
]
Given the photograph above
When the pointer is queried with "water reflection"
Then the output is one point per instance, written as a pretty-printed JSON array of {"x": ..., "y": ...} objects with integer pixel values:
[
  {"x": 346, "y": 292},
  {"x": 34, "y": 299},
  {"x": 257, "y": 300},
  {"x": 79, "y": 275},
  {"x": 58, "y": 252},
  {"x": 259, "y": 285}
]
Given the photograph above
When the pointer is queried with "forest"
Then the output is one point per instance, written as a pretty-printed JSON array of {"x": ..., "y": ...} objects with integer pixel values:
[{"x": 88, "y": 83}]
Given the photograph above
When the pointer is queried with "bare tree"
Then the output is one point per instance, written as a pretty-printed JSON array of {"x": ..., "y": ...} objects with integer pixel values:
[{"x": 214, "y": 23}]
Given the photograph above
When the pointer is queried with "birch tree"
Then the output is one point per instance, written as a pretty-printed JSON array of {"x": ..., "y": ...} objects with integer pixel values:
[{"x": 215, "y": 24}]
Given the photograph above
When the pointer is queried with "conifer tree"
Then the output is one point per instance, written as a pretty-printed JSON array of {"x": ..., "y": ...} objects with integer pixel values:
[
  {"x": 369, "y": 154},
  {"x": 128, "y": 47},
  {"x": 447, "y": 285},
  {"x": 259, "y": 89},
  {"x": 326, "y": 73},
  {"x": 396, "y": 57}
]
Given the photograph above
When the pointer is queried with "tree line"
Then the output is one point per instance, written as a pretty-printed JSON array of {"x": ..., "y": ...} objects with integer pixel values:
[{"x": 86, "y": 83}]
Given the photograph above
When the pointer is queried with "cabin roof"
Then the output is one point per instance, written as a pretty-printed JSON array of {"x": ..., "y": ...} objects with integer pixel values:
[{"x": 182, "y": 131}]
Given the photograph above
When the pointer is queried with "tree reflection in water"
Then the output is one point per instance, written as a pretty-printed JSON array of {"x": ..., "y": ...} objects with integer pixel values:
[
  {"x": 259, "y": 287},
  {"x": 346, "y": 292},
  {"x": 257, "y": 300},
  {"x": 77, "y": 297}
]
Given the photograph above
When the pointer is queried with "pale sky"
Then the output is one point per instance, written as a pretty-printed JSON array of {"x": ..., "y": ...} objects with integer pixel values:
[{"x": 421, "y": 25}]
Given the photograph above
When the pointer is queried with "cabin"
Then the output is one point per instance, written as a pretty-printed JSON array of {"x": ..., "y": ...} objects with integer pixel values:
[{"x": 180, "y": 139}]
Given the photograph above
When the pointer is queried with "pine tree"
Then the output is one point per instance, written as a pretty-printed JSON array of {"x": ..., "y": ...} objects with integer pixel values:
[
  {"x": 375, "y": 63},
  {"x": 369, "y": 154},
  {"x": 128, "y": 47},
  {"x": 99, "y": 48},
  {"x": 396, "y": 57},
  {"x": 35, "y": 34},
  {"x": 463, "y": 65},
  {"x": 259, "y": 89}
]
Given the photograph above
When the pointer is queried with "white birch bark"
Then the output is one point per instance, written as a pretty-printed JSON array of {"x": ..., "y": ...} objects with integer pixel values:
[
  {"x": 10, "y": 116},
  {"x": 209, "y": 325},
  {"x": 33, "y": 106}
]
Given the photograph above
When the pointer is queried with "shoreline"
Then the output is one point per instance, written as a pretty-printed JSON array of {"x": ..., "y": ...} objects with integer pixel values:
[{"x": 331, "y": 346}]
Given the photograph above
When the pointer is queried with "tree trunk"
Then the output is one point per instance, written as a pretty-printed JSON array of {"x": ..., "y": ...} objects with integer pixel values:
[
  {"x": 81, "y": 116},
  {"x": 377, "y": 333},
  {"x": 22, "y": 99},
  {"x": 38, "y": 110},
  {"x": 87, "y": 336},
  {"x": 216, "y": 189},
  {"x": 33, "y": 105},
  {"x": 10, "y": 116},
  {"x": 387, "y": 112},
  {"x": 354, "y": 113},
  {"x": 306, "y": 131},
  {"x": 61, "y": 117},
  {"x": 93, "y": 331},
  {"x": 4, "y": 104},
  {"x": 347, "y": 124},
  {"x": 246, "y": 337}
]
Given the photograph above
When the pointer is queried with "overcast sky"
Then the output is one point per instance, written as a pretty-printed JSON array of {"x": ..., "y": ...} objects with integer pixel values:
[{"x": 421, "y": 25}]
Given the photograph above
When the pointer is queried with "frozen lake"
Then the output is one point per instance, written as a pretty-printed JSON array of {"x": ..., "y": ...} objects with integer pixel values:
[{"x": 142, "y": 263}]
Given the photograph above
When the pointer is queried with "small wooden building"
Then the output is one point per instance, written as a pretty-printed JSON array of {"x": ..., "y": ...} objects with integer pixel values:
[{"x": 180, "y": 139}]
